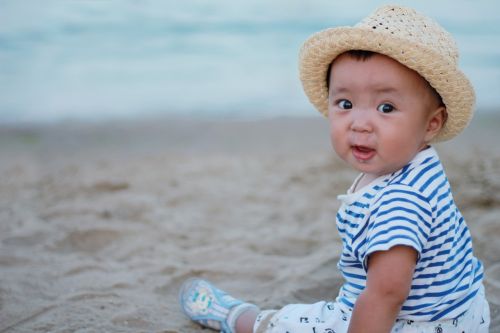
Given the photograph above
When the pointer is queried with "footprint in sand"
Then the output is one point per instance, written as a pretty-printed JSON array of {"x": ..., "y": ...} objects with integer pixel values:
[
  {"x": 110, "y": 186},
  {"x": 89, "y": 241}
]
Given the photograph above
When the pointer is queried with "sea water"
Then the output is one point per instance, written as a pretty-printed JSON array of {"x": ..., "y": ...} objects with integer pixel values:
[{"x": 106, "y": 59}]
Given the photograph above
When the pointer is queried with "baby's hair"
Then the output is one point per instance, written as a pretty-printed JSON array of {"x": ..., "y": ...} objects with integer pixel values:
[{"x": 362, "y": 55}]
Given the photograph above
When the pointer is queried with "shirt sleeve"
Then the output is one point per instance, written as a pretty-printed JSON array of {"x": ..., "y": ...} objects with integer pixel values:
[{"x": 400, "y": 216}]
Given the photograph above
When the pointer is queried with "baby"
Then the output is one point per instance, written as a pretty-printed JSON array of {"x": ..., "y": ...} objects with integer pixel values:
[{"x": 390, "y": 87}]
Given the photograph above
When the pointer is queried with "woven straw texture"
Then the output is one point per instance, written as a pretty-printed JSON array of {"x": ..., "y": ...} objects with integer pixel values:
[{"x": 405, "y": 35}]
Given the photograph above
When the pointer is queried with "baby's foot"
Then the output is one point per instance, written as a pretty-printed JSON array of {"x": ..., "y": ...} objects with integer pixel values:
[{"x": 211, "y": 307}]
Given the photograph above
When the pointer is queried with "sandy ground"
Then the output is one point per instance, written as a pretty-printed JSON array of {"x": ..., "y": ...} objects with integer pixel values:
[{"x": 100, "y": 224}]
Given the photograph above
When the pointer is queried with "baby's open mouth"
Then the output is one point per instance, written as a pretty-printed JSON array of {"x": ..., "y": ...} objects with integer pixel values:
[{"x": 363, "y": 153}]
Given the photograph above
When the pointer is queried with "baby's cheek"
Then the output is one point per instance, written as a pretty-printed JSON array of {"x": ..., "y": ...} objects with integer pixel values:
[{"x": 339, "y": 144}]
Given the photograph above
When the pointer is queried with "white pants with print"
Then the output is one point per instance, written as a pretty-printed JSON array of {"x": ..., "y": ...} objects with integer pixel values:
[{"x": 330, "y": 317}]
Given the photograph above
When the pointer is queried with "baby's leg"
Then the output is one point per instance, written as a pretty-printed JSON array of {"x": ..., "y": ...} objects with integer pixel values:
[
  {"x": 246, "y": 321},
  {"x": 213, "y": 308},
  {"x": 320, "y": 317}
]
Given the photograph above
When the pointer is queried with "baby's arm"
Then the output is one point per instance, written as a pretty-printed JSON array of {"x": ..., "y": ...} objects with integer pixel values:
[{"x": 387, "y": 287}]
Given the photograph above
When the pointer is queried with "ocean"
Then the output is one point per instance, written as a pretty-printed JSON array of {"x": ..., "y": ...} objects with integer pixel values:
[{"x": 96, "y": 60}]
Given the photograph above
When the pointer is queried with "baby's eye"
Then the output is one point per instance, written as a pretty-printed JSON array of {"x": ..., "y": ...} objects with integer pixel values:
[
  {"x": 344, "y": 104},
  {"x": 385, "y": 108}
]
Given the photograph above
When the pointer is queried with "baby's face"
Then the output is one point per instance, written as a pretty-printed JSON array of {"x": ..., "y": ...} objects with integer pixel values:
[{"x": 381, "y": 113}]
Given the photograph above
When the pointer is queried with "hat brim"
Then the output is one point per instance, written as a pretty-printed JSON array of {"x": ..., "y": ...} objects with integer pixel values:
[{"x": 323, "y": 47}]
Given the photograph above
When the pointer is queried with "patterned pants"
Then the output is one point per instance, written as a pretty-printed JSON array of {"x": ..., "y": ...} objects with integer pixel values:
[{"x": 330, "y": 317}]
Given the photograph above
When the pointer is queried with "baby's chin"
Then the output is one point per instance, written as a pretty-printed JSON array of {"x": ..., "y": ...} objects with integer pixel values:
[{"x": 372, "y": 170}]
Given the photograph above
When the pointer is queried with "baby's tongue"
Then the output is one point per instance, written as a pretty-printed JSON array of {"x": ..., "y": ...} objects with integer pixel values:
[
  {"x": 363, "y": 153},
  {"x": 364, "y": 149}
]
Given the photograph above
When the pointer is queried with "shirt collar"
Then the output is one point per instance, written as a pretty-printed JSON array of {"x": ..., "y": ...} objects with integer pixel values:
[{"x": 351, "y": 196}]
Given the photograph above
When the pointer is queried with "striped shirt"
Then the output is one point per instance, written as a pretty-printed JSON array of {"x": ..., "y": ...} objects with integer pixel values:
[{"x": 413, "y": 207}]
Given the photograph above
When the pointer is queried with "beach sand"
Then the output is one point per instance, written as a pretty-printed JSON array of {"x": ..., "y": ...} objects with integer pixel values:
[{"x": 101, "y": 223}]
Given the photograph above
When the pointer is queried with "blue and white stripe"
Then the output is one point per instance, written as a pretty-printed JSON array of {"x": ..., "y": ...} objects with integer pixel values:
[{"x": 413, "y": 207}]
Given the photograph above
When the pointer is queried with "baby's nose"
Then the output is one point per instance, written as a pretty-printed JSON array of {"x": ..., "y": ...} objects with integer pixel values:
[{"x": 361, "y": 120}]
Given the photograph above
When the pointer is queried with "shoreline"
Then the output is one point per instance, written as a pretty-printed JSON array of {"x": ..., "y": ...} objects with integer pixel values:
[{"x": 185, "y": 133}]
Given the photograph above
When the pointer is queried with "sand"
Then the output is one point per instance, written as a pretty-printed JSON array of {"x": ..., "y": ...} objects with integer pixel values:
[{"x": 101, "y": 223}]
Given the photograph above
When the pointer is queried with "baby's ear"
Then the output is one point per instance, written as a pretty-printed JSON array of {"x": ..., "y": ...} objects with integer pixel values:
[{"x": 436, "y": 121}]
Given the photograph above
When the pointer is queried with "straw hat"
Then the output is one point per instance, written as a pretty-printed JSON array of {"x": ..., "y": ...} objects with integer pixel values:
[{"x": 401, "y": 33}]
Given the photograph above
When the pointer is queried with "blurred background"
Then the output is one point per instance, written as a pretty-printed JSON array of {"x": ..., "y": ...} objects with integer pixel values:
[
  {"x": 95, "y": 60},
  {"x": 146, "y": 141}
]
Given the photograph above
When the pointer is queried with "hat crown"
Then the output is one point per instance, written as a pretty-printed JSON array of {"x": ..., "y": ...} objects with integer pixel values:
[{"x": 408, "y": 24}]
